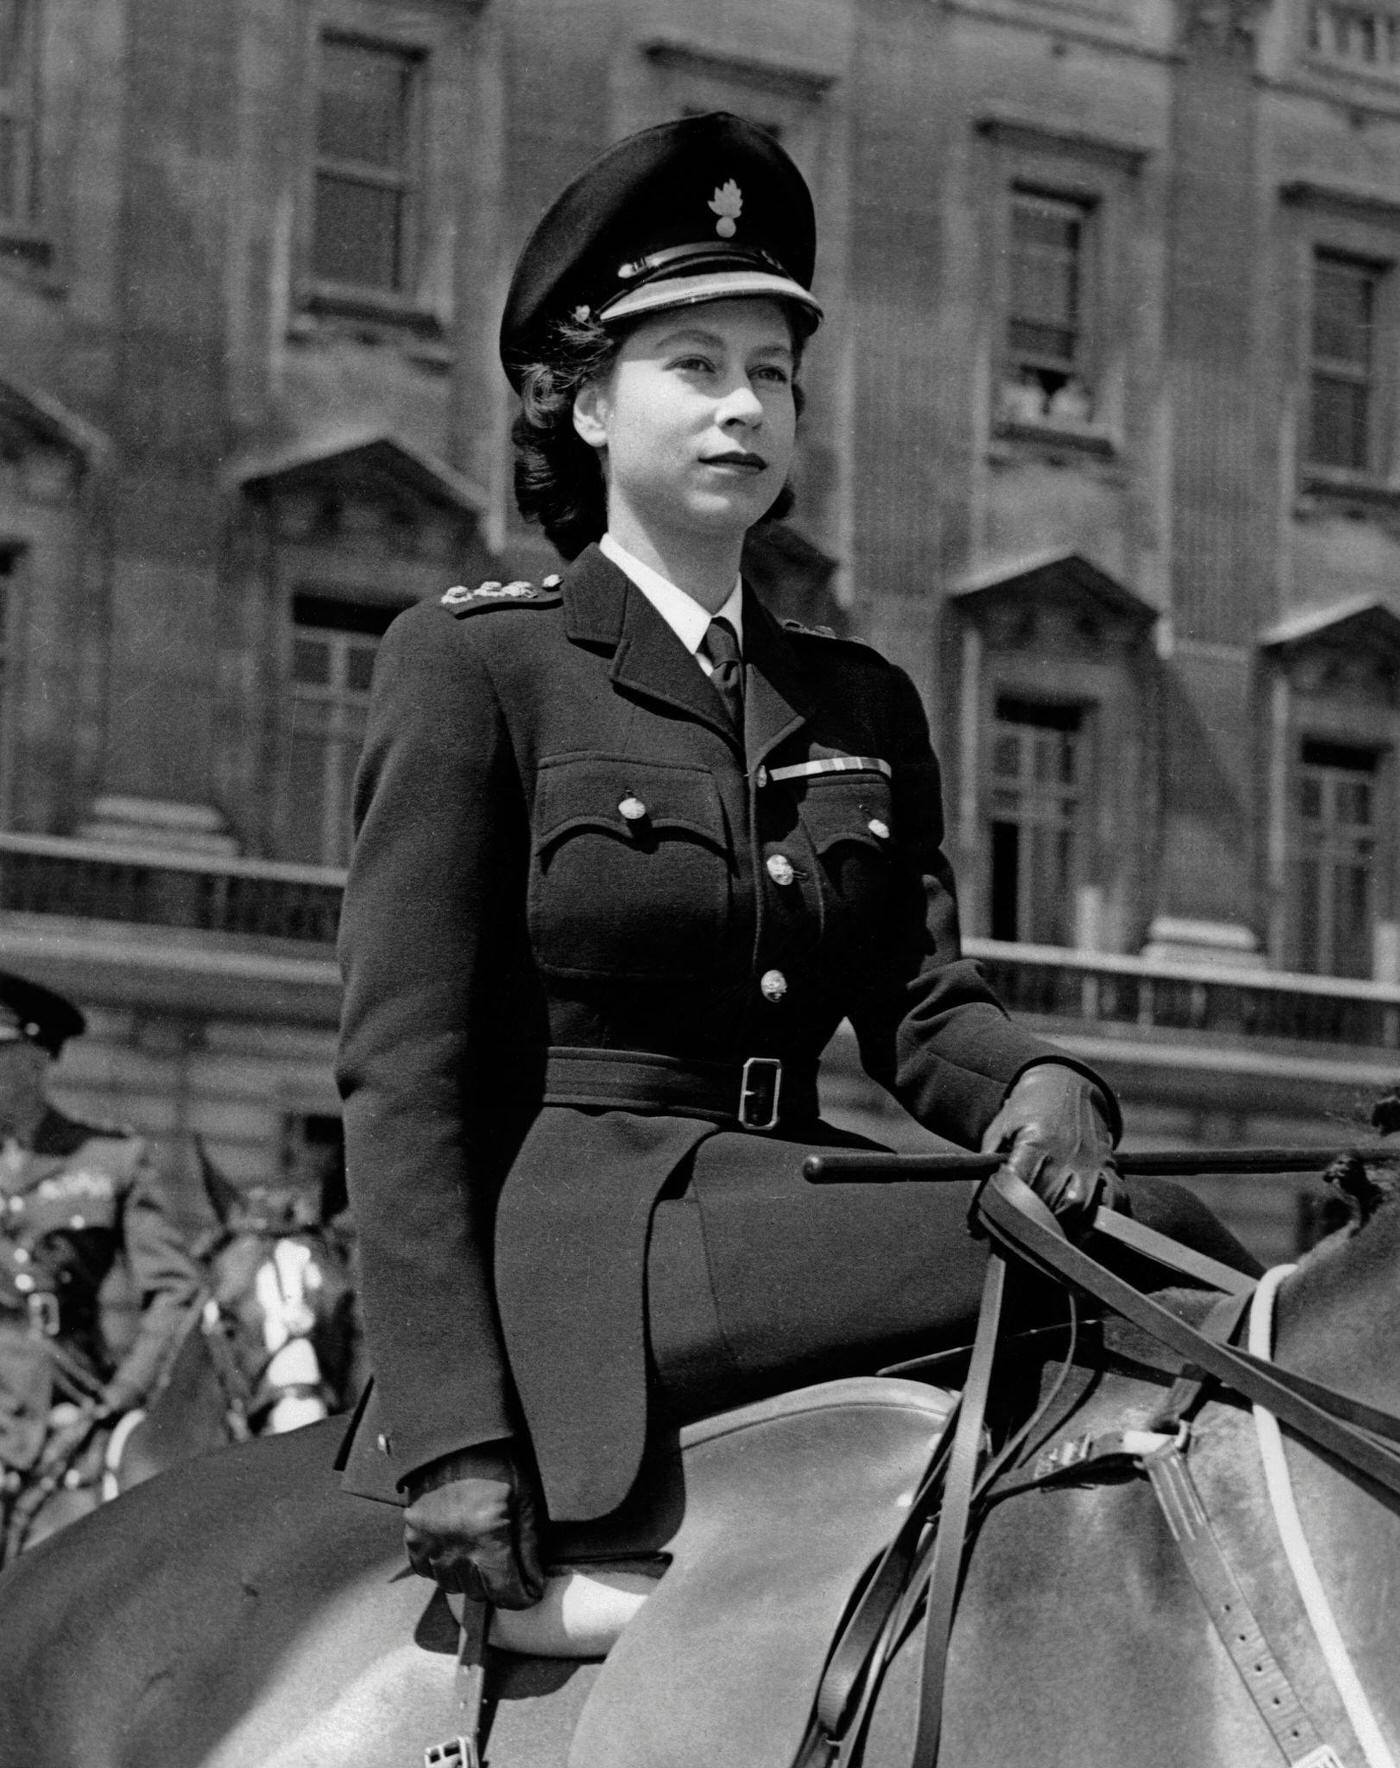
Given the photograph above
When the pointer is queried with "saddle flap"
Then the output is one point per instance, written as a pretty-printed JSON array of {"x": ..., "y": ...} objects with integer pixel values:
[{"x": 787, "y": 1503}]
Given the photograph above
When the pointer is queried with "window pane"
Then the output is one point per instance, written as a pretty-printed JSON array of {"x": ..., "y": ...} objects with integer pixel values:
[
  {"x": 311, "y": 661},
  {"x": 364, "y": 108},
  {"x": 1345, "y": 295},
  {"x": 14, "y": 42},
  {"x": 1342, "y": 312},
  {"x": 1047, "y": 241},
  {"x": 359, "y": 668},
  {"x": 1036, "y": 811},
  {"x": 358, "y": 234},
  {"x": 1339, "y": 436},
  {"x": 1336, "y": 860}
]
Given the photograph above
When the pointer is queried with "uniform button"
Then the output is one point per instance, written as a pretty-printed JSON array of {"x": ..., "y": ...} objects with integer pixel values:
[
  {"x": 78, "y": 1222},
  {"x": 381, "y": 1442},
  {"x": 21, "y": 1255},
  {"x": 761, "y": 777},
  {"x": 780, "y": 868},
  {"x": 632, "y": 809},
  {"x": 772, "y": 985},
  {"x": 879, "y": 829},
  {"x": 23, "y": 1282}
]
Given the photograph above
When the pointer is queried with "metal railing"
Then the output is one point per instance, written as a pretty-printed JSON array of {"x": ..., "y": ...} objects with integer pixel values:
[
  {"x": 91, "y": 880},
  {"x": 273, "y": 900},
  {"x": 1218, "y": 1004}
]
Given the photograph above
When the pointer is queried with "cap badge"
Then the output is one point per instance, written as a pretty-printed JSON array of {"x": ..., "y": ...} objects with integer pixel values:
[
  {"x": 582, "y": 313},
  {"x": 728, "y": 204}
]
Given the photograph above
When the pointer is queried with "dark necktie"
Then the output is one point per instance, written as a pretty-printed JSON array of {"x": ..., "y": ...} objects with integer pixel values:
[{"x": 722, "y": 648}]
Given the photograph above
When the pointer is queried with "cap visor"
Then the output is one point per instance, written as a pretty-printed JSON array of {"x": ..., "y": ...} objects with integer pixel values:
[{"x": 715, "y": 285}]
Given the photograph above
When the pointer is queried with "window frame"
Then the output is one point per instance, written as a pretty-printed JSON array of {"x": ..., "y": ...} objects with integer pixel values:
[
  {"x": 1100, "y": 177},
  {"x": 363, "y": 615},
  {"x": 327, "y": 293},
  {"x": 1069, "y": 714},
  {"x": 1377, "y": 464},
  {"x": 1381, "y": 776},
  {"x": 1360, "y": 227}
]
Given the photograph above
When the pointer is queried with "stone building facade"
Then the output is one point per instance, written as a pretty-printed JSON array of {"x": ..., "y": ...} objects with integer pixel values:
[{"x": 1103, "y": 443}]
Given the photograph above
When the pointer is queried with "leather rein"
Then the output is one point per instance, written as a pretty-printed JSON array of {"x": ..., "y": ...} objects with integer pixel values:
[{"x": 923, "y": 1565}]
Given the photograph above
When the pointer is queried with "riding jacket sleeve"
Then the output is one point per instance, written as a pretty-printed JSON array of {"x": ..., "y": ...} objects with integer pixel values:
[{"x": 433, "y": 878}]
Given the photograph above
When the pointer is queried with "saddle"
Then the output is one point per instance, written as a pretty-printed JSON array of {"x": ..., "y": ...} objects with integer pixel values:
[{"x": 730, "y": 1571}]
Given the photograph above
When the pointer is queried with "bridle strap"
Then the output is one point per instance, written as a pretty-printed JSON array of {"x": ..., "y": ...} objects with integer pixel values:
[
  {"x": 950, "y": 1547},
  {"x": 1017, "y": 1220}
]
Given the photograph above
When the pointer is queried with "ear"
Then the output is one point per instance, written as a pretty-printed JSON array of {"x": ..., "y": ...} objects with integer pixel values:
[{"x": 591, "y": 415}]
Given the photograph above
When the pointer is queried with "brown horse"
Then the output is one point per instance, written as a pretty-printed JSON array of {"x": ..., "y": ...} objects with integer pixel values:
[{"x": 244, "y": 1613}]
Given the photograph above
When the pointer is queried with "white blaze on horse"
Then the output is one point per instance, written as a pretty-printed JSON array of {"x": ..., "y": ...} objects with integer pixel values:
[{"x": 243, "y": 1612}]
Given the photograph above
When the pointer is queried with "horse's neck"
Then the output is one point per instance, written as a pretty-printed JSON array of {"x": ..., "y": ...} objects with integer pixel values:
[{"x": 1338, "y": 1317}]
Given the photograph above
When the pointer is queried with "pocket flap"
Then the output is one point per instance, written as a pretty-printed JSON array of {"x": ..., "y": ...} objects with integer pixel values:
[
  {"x": 628, "y": 799},
  {"x": 835, "y": 810}
]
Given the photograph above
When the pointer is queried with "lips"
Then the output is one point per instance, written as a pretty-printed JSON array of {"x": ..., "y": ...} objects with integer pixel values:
[{"x": 737, "y": 457}]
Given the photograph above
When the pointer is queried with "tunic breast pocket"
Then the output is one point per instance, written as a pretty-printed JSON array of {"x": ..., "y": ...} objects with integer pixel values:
[
  {"x": 630, "y": 875},
  {"x": 849, "y": 821}
]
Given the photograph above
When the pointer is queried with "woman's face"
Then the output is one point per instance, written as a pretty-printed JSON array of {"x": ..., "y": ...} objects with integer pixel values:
[{"x": 696, "y": 419}]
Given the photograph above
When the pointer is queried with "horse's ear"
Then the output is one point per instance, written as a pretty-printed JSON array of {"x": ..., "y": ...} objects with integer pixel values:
[
  {"x": 1364, "y": 1193},
  {"x": 224, "y": 1196},
  {"x": 1385, "y": 1113}
]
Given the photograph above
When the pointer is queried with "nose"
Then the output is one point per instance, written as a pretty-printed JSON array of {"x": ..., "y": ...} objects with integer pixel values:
[{"x": 741, "y": 405}]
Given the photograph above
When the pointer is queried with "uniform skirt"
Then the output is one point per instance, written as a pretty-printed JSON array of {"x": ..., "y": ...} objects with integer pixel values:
[{"x": 759, "y": 1280}]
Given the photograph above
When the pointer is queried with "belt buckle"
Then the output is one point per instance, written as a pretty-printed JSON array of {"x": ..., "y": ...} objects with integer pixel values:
[
  {"x": 760, "y": 1084},
  {"x": 42, "y": 1306}
]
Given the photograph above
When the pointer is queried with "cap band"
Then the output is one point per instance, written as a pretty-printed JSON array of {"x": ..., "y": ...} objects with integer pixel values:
[{"x": 715, "y": 285}]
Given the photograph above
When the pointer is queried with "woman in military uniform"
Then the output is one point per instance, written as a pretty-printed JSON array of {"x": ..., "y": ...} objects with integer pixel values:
[
  {"x": 73, "y": 1197},
  {"x": 628, "y": 853}
]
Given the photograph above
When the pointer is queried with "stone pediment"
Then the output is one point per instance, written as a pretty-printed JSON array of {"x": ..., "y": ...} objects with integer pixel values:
[
  {"x": 1057, "y": 601},
  {"x": 45, "y": 448},
  {"x": 362, "y": 487},
  {"x": 368, "y": 460},
  {"x": 1347, "y": 650}
]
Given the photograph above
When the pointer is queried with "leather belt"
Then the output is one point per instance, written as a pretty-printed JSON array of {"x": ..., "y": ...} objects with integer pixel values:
[{"x": 757, "y": 1094}]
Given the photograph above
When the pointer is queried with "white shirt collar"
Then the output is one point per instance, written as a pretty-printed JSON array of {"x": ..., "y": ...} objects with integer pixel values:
[{"x": 681, "y": 612}]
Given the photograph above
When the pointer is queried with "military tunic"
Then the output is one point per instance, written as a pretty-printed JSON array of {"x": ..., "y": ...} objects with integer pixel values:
[
  {"x": 578, "y": 904},
  {"x": 70, "y": 1201}
]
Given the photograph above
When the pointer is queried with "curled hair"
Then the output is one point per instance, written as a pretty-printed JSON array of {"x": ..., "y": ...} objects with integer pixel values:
[{"x": 559, "y": 479}]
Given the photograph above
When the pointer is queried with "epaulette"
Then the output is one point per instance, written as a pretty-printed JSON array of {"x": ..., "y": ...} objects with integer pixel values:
[
  {"x": 461, "y": 601},
  {"x": 821, "y": 632}
]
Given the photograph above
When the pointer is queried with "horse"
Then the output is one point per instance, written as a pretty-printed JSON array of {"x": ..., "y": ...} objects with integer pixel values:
[
  {"x": 272, "y": 1344},
  {"x": 245, "y": 1612}
]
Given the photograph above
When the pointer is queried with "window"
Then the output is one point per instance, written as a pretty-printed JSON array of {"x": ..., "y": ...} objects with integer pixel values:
[
  {"x": 1342, "y": 414},
  {"x": 1359, "y": 36},
  {"x": 333, "y": 647},
  {"x": 18, "y": 188},
  {"x": 1037, "y": 783},
  {"x": 364, "y": 211},
  {"x": 1337, "y": 862},
  {"x": 1047, "y": 375}
]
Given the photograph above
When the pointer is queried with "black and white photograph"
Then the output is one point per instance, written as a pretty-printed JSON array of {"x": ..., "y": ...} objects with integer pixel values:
[{"x": 699, "y": 883}]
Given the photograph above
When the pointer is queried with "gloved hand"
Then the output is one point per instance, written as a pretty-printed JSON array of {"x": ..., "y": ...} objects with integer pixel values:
[
  {"x": 1053, "y": 1125},
  {"x": 472, "y": 1523}
]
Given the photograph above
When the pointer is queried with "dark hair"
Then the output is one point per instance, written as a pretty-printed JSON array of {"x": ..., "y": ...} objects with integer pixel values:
[{"x": 558, "y": 476}]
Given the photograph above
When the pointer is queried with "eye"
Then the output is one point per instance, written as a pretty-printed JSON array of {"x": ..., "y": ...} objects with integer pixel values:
[
  {"x": 774, "y": 374},
  {"x": 693, "y": 364}
]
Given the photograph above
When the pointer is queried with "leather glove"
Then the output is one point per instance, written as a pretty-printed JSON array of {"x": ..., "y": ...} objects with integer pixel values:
[
  {"x": 473, "y": 1524},
  {"x": 1053, "y": 1125}
]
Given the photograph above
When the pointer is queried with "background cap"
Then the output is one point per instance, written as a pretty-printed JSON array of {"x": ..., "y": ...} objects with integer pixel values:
[
  {"x": 28, "y": 1010},
  {"x": 701, "y": 209}
]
